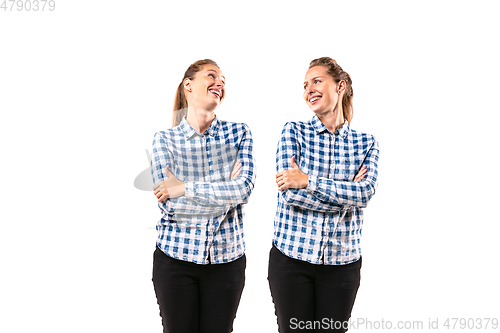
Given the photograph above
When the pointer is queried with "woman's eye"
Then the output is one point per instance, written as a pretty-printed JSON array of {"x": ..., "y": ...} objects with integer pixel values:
[
  {"x": 212, "y": 76},
  {"x": 317, "y": 81}
]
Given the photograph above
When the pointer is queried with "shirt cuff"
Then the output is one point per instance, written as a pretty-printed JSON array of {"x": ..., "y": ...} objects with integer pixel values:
[
  {"x": 190, "y": 190},
  {"x": 312, "y": 184}
]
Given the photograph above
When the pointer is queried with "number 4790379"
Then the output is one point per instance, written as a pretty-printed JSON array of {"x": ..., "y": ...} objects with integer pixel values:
[{"x": 28, "y": 5}]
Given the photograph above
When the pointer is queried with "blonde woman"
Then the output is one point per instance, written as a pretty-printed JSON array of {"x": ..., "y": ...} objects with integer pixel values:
[
  {"x": 203, "y": 171},
  {"x": 327, "y": 174}
]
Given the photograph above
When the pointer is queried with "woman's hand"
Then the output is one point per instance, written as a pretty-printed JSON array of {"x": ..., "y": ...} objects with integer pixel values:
[
  {"x": 236, "y": 170},
  {"x": 292, "y": 178},
  {"x": 361, "y": 174},
  {"x": 169, "y": 188}
]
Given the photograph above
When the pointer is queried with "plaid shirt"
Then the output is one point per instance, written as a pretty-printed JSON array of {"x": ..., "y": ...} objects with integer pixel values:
[
  {"x": 322, "y": 223},
  {"x": 206, "y": 224}
]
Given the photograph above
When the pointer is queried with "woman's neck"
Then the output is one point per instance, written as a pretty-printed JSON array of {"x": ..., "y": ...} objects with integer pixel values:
[
  {"x": 199, "y": 119},
  {"x": 333, "y": 120}
]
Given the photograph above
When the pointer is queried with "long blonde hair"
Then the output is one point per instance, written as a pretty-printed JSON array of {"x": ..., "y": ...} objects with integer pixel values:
[
  {"x": 180, "y": 103},
  {"x": 338, "y": 74}
]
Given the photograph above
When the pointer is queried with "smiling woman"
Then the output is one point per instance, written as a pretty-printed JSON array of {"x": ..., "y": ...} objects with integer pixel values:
[
  {"x": 203, "y": 171},
  {"x": 323, "y": 77},
  {"x": 327, "y": 174},
  {"x": 210, "y": 71}
]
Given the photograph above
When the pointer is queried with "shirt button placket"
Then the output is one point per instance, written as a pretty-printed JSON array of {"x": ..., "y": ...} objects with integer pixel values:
[
  {"x": 204, "y": 156},
  {"x": 332, "y": 220},
  {"x": 206, "y": 172},
  {"x": 207, "y": 165},
  {"x": 211, "y": 236},
  {"x": 326, "y": 218}
]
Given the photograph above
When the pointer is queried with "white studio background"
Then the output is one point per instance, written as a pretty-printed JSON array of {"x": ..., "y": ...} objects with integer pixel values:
[{"x": 83, "y": 88}]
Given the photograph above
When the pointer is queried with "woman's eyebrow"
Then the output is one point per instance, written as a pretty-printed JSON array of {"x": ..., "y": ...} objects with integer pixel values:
[
  {"x": 214, "y": 71},
  {"x": 312, "y": 79}
]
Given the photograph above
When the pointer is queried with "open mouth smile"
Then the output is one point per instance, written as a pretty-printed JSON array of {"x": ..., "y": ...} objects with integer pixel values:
[
  {"x": 216, "y": 92},
  {"x": 314, "y": 99}
]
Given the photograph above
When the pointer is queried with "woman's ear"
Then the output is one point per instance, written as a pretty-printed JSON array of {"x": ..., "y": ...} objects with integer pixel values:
[
  {"x": 188, "y": 84},
  {"x": 341, "y": 86}
]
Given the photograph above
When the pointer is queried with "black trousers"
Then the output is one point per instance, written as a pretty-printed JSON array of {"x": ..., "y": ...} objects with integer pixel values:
[
  {"x": 309, "y": 297},
  {"x": 197, "y": 298}
]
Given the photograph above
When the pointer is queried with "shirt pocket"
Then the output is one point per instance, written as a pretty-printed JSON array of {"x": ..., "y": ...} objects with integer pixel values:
[
  {"x": 349, "y": 167},
  {"x": 222, "y": 160},
  {"x": 223, "y": 171}
]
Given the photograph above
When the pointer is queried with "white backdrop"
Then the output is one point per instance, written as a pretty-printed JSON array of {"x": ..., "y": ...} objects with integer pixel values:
[{"x": 83, "y": 88}]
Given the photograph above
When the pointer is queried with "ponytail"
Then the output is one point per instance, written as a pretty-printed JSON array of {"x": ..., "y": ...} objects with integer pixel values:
[
  {"x": 347, "y": 108},
  {"x": 180, "y": 105}
]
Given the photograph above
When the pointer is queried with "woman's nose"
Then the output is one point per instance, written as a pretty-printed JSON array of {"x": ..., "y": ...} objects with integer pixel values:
[{"x": 219, "y": 82}]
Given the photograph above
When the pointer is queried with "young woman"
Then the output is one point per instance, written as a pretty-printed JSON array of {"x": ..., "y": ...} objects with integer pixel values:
[
  {"x": 327, "y": 174},
  {"x": 203, "y": 171}
]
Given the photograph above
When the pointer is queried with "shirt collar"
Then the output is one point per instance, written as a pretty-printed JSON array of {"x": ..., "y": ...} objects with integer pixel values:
[
  {"x": 189, "y": 132},
  {"x": 320, "y": 127}
]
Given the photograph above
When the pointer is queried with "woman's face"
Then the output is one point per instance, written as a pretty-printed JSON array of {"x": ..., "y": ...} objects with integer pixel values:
[
  {"x": 320, "y": 90},
  {"x": 206, "y": 90}
]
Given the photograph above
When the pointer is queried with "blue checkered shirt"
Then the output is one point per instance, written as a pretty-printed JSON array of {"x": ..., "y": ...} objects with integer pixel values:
[
  {"x": 206, "y": 224},
  {"x": 322, "y": 223}
]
